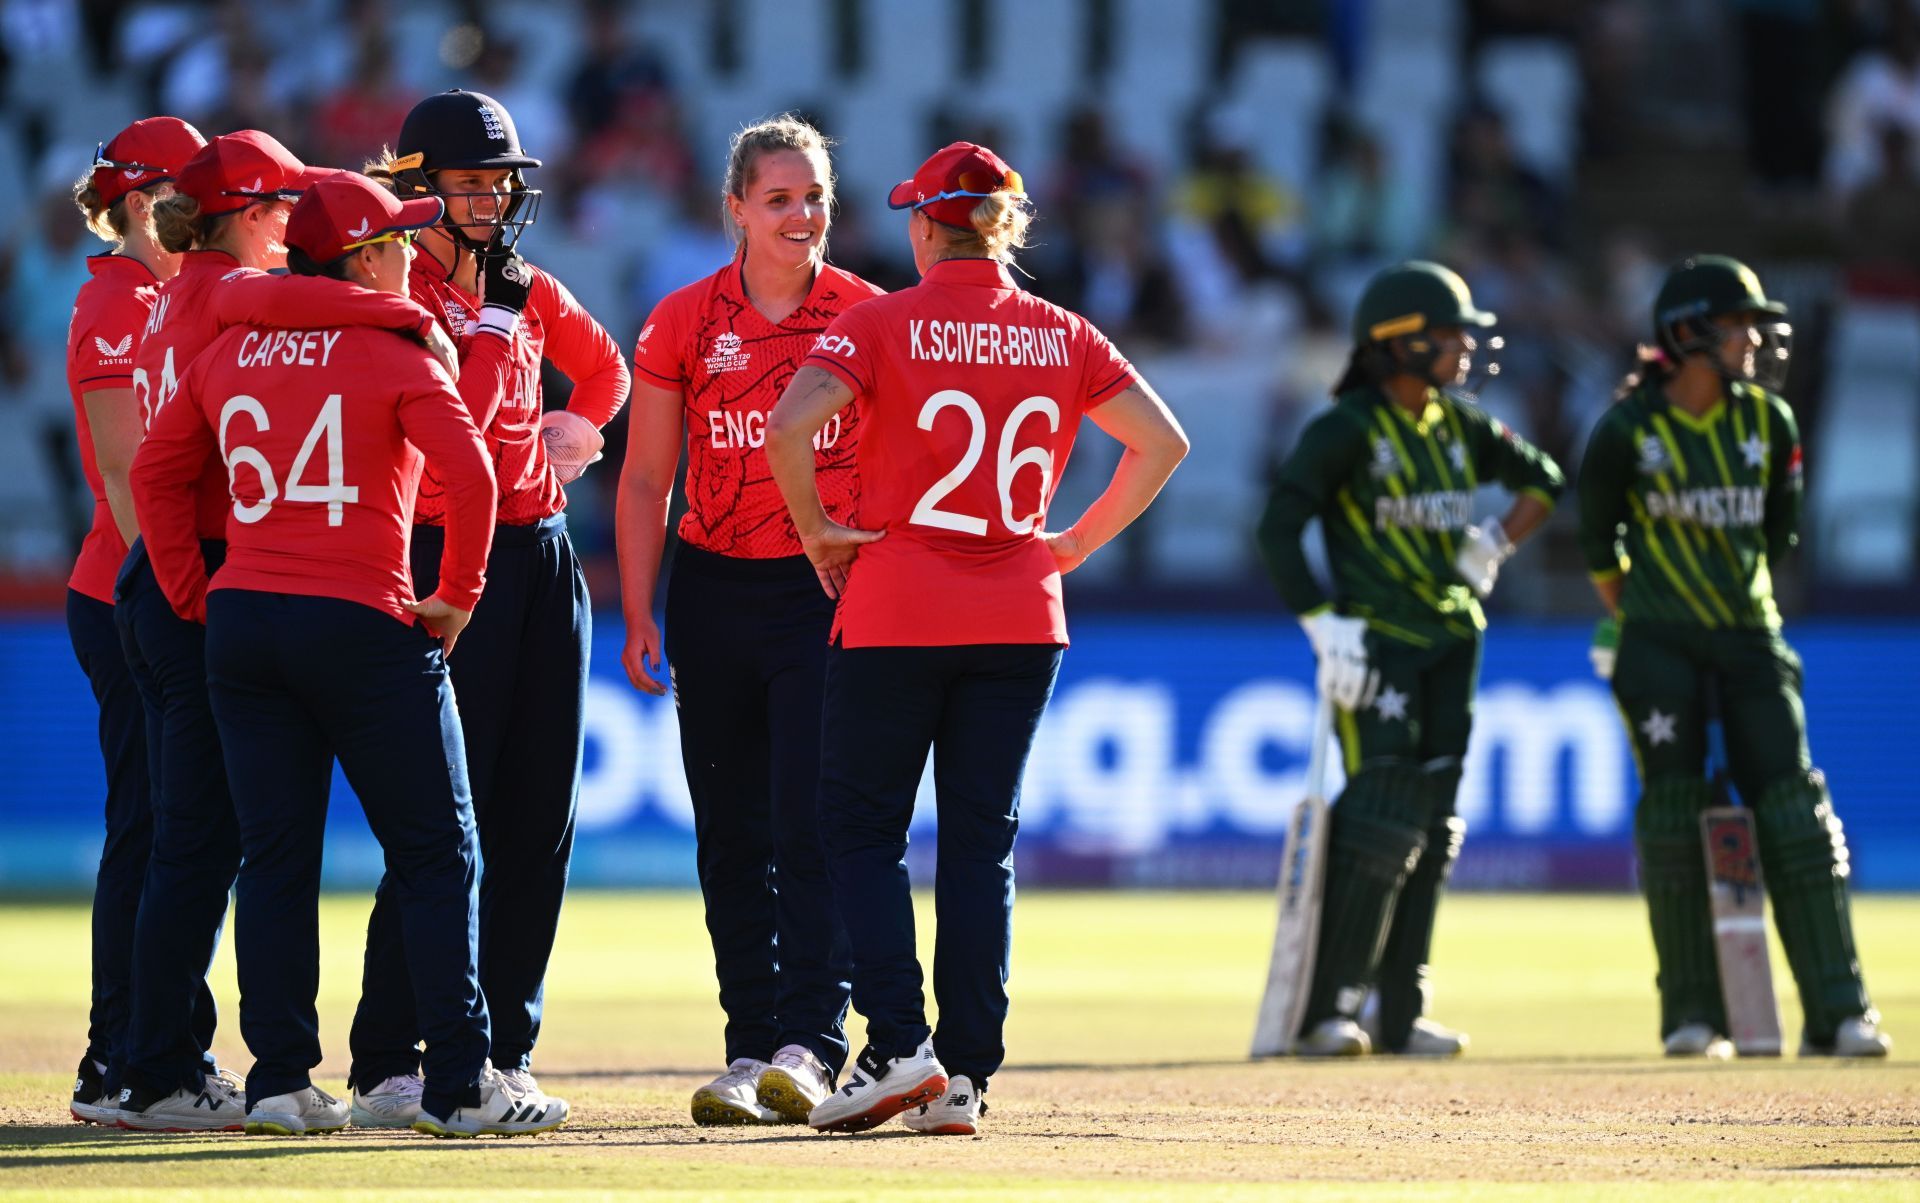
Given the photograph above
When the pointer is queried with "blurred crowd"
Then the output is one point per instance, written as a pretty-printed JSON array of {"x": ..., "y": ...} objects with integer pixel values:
[{"x": 1215, "y": 180}]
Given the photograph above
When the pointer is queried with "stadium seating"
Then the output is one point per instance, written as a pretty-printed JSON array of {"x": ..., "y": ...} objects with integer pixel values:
[
  {"x": 1866, "y": 480},
  {"x": 1534, "y": 83}
]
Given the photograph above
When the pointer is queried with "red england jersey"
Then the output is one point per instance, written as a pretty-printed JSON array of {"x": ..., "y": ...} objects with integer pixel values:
[
  {"x": 322, "y": 433},
  {"x": 109, "y": 315},
  {"x": 972, "y": 393},
  {"x": 212, "y": 292},
  {"x": 501, "y": 384},
  {"x": 730, "y": 365}
]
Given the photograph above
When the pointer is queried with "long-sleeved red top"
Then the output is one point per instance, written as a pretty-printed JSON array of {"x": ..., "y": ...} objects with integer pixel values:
[
  {"x": 211, "y": 292},
  {"x": 501, "y": 384},
  {"x": 109, "y": 315},
  {"x": 322, "y": 434}
]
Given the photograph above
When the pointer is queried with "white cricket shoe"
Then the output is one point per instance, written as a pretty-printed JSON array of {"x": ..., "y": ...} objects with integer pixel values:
[
  {"x": 1857, "y": 1036},
  {"x": 794, "y": 1084},
  {"x": 879, "y": 1089},
  {"x": 733, "y": 1097},
  {"x": 300, "y": 1113},
  {"x": 502, "y": 1111},
  {"x": 1336, "y": 1037},
  {"x": 1430, "y": 1039},
  {"x": 1698, "y": 1040},
  {"x": 955, "y": 1113},
  {"x": 220, "y": 1105},
  {"x": 394, "y": 1103}
]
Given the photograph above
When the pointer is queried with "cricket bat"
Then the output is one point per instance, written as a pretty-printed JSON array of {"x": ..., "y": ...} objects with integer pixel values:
[
  {"x": 1303, "y": 866},
  {"x": 1739, "y": 904}
]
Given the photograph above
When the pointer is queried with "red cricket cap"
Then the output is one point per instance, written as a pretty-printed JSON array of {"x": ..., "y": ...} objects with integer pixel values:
[
  {"x": 148, "y": 152},
  {"x": 237, "y": 169},
  {"x": 346, "y": 211},
  {"x": 953, "y": 181}
]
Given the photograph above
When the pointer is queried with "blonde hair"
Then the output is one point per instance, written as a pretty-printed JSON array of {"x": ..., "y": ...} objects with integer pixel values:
[
  {"x": 108, "y": 222},
  {"x": 179, "y": 226},
  {"x": 788, "y": 131},
  {"x": 1000, "y": 224}
]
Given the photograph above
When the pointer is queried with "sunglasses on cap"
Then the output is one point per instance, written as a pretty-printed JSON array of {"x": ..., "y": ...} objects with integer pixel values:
[
  {"x": 403, "y": 237},
  {"x": 979, "y": 185},
  {"x": 100, "y": 160}
]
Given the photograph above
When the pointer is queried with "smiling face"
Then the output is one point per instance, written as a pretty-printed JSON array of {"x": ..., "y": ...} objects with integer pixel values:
[
  {"x": 784, "y": 211},
  {"x": 479, "y": 211}
]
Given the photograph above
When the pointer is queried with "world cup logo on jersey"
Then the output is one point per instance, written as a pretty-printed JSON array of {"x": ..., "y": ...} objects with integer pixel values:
[{"x": 726, "y": 355}]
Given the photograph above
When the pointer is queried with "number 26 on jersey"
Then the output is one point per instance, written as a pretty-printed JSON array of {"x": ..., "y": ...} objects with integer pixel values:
[{"x": 1007, "y": 463}]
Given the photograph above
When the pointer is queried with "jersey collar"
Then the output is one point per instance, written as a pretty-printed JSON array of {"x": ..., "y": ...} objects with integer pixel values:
[
  {"x": 1430, "y": 417},
  {"x": 736, "y": 278},
  {"x": 209, "y": 260},
  {"x": 978, "y": 273},
  {"x": 110, "y": 262},
  {"x": 1700, "y": 424}
]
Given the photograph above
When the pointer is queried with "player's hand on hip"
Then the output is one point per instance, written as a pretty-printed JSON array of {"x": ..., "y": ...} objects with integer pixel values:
[
  {"x": 1340, "y": 645},
  {"x": 572, "y": 443},
  {"x": 442, "y": 619},
  {"x": 1482, "y": 549},
  {"x": 1069, "y": 550},
  {"x": 643, "y": 651},
  {"x": 832, "y": 550}
]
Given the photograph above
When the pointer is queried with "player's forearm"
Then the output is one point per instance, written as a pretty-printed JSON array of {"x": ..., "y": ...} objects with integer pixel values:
[
  {"x": 790, "y": 456},
  {"x": 640, "y": 539},
  {"x": 119, "y": 492},
  {"x": 1281, "y": 526},
  {"x": 1609, "y": 586},
  {"x": 1527, "y": 514},
  {"x": 1137, "y": 480}
]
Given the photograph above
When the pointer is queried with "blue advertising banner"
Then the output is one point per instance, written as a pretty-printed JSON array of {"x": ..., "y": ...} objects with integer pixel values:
[{"x": 1172, "y": 753}]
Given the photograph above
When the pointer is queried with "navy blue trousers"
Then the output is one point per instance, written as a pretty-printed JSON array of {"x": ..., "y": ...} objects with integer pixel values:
[
  {"x": 196, "y": 846},
  {"x": 129, "y": 817},
  {"x": 297, "y": 681},
  {"x": 520, "y": 673},
  {"x": 747, "y": 641},
  {"x": 977, "y": 707}
]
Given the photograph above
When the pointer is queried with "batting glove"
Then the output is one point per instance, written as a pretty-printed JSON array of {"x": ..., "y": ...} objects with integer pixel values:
[
  {"x": 1340, "y": 645},
  {"x": 1482, "y": 548},
  {"x": 506, "y": 281},
  {"x": 1605, "y": 647},
  {"x": 572, "y": 443}
]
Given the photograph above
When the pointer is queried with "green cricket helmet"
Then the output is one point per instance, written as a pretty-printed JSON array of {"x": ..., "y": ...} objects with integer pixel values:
[
  {"x": 1412, "y": 297},
  {"x": 1705, "y": 287},
  {"x": 1397, "y": 310}
]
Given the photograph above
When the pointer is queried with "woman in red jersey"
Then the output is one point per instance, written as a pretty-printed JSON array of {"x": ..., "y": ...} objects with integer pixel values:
[
  {"x": 522, "y": 670},
  {"x": 227, "y": 221},
  {"x": 747, "y": 626},
  {"x": 129, "y": 174},
  {"x": 314, "y": 651},
  {"x": 951, "y": 622}
]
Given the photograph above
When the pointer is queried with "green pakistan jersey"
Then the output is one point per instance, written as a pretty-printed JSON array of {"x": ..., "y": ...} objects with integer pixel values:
[
  {"x": 1393, "y": 492},
  {"x": 1692, "y": 510}
]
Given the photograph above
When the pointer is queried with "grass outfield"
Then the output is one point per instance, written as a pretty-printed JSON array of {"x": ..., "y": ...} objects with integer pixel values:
[{"x": 1125, "y": 1080}]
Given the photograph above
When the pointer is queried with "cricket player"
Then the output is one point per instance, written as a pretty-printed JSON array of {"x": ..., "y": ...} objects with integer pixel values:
[
  {"x": 1689, "y": 492},
  {"x": 129, "y": 174},
  {"x": 747, "y": 622},
  {"x": 1391, "y": 469},
  {"x": 951, "y": 621},
  {"x": 227, "y": 221},
  {"x": 522, "y": 671},
  {"x": 317, "y": 648}
]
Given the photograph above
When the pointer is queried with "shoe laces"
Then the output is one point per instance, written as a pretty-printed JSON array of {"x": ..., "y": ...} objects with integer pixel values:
[
  {"x": 407, "y": 1086},
  {"x": 798, "y": 1058},
  {"x": 226, "y": 1082},
  {"x": 519, "y": 1082}
]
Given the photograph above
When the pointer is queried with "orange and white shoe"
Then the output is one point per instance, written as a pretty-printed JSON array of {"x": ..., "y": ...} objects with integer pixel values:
[
  {"x": 879, "y": 1088},
  {"x": 955, "y": 1113}
]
